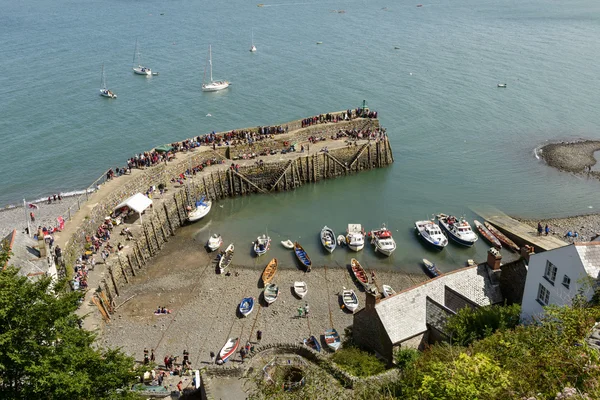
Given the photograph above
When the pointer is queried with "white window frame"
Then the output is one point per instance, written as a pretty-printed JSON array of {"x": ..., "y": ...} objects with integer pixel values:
[
  {"x": 550, "y": 272},
  {"x": 566, "y": 282},
  {"x": 543, "y": 296}
]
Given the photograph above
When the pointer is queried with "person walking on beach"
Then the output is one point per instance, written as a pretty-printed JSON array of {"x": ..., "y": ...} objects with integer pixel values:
[
  {"x": 243, "y": 354},
  {"x": 540, "y": 229},
  {"x": 259, "y": 336},
  {"x": 306, "y": 310},
  {"x": 152, "y": 356},
  {"x": 212, "y": 357},
  {"x": 300, "y": 309},
  {"x": 547, "y": 229},
  {"x": 32, "y": 216}
]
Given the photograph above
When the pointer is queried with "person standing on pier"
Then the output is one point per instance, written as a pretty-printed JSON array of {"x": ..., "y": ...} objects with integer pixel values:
[
  {"x": 540, "y": 229},
  {"x": 547, "y": 229}
]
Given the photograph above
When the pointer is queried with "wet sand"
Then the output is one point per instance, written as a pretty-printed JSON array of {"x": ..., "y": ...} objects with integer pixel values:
[{"x": 204, "y": 304}]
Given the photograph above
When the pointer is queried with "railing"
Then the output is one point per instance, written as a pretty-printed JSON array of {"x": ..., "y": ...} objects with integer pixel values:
[{"x": 80, "y": 199}]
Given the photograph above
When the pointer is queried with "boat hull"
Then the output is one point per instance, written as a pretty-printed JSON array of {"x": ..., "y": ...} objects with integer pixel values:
[
  {"x": 229, "y": 349},
  {"x": 246, "y": 306},
  {"x": 142, "y": 71},
  {"x": 200, "y": 212},
  {"x": 215, "y": 86},
  {"x": 332, "y": 338},
  {"x": 300, "y": 289},
  {"x": 328, "y": 239},
  {"x": 269, "y": 272},
  {"x": 271, "y": 293},
  {"x": 302, "y": 257},
  {"x": 350, "y": 300},
  {"x": 225, "y": 260},
  {"x": 356, "y": 247},
  {"x": 451, "y": 235}
]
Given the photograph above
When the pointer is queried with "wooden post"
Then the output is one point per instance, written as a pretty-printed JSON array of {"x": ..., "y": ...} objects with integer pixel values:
[
  {"x": 112, "y": 278},
  {"x": 148, "y": 242},
  {"x": 169, "y": 219},
  {"x": 123, "y": 268},
  {"x": 155, "y": 234},
  {"x": 206, "y": 189},
  {"x": 124, "y": 274},
  {"x": 231, "y": 188},
  {"x": 307, "y": 169},
  {"x": 137, "y": 254},
  {"x": 177, "y": 208},
  {"x": 107, "y": 290},
  {"x": 221, "y": 184},
  {"x": 314, "y": 168},
  {"x": 130, "y": 263},
  {"x": 369, "y": 157},
  {"x": 213, "y": 185},
  {"x": 141, "y": 253}
]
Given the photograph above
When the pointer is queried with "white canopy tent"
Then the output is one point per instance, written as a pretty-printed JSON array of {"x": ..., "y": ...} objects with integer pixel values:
[{"x": 138, "y": 203}]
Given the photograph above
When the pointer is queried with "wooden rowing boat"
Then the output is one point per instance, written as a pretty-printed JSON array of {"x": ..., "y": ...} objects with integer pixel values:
[
  {"x": 431, "y": 268},
  {"x": 350, "y": 299},
  {"x": 506, "y": 242},
  {"x": 246, "y": 306},
  {"x": 300, "y": 288},
  {"x": 313, "y": 343},
  {"x": 332, "y": 338},
  {"x": 388, "y": 291},
  {"x": 487, "y": 235},
  {"x": 271, "y": 293},
  {"x": 359, "y": 273},
  {"x": 302, "y": 257},
  {"x": 228, "y": 350},
  {"x": 225, "y": 259},
  {"x": 269, "y": 271}
]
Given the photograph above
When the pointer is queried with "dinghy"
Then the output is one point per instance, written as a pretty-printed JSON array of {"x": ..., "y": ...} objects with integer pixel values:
[
  {"x": 458, "y": 229},
  {"x": 506, "y": 242},
  {"x": 388, "y": 291},
  {"x": 302, "y": 257},
  {"x": 328, "y": 239},
  {"x": 269, "y": 271},
  {"x": 202, "y": 208},
  {"x": 246, "y": 306},
  {"x": 300, "y": 288},
  {"x": 271, "y": 293},
  {"x": 228, "y": 350},
  {"x": 332, "y": 338},
  {"x": 225, "y": 259},
  {"x": 350, "y": 299},
  {"x": 288, "y": 244},
  {"x": 313, "y": 343},
  {"x": 431, "y": 268},
  {"x": 262, "y": 244},
  {"x": 487, "y": 235},
  {"x": 214, "y": 242},
  {"x": 341, "y": 240}
]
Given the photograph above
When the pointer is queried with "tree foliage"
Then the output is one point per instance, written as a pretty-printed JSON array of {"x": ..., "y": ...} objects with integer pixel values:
[
  {"x": 470, "y": 324},
  {"x": 44, "y": 354},
  {"x": 358, "y": 362}
]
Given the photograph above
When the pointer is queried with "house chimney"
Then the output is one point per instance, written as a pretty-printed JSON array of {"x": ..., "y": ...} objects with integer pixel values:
[
  {"x": 493, "y": 259},
  {"x": 526, "y": 252},
  {"x": 371, "y": 301}
]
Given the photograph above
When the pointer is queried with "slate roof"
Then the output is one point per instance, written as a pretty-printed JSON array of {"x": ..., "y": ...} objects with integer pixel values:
[
  {"x": 589, "y": 253},
  {"x": 403, "y": 315}
]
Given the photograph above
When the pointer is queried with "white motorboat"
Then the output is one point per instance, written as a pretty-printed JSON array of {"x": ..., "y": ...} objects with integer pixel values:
[
  {"x": 212, "y": 85},
  {"x": 137, "y": 59},
  {"x": 383, "y": 241},
  {"x": 262, "y": 245},
  {"x": 202, "y": 208},
  {"x": 431, "y": 233},
  {"x": 350, "y": 299},
  {"x": 458, "y": 229},
  {"x": 104, "y": 92},
  {"x": 252, "y": 46},
  {"x": 328, "y": 239},
  {"x": 355, "y": 237},
  {"x": 214, "y": 242},
  {"x": 300, "y": 288}
]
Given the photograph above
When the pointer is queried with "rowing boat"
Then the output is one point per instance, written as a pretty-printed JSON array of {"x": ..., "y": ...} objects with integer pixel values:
[
  {"x": 269, "y": 271},
  {"x": 300, "y": 288},
  {"x": 302, "y": 257},
  {"x": 431, "y": 268},
  {"x": 228, "y": 350},
  {"x": 487, "y": 235},
  {"x": 332, "y": 338},
  {"x": 359, "y": 273},
  {"x": 506, "y": 242},
  {"x": 225, "y": 259},
  {"x": 246, "y": 306},
  {"x": 350, "y": 299},
  {"x": 271, "y": 293}
]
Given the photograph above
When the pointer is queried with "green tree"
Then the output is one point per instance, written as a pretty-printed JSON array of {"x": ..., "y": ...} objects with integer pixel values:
[
  {"x": 470, "y": 324},
  {"x": 358, "y": 362},
  {"x": 44, "y": 354}
]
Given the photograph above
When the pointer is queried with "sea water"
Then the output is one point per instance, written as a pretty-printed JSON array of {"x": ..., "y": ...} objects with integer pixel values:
[{"x": 431, "y": 72}]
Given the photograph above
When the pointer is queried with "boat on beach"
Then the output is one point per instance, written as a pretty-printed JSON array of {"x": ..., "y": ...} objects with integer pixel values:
[
  {"x": 228, "y": 350},
  {"x": 202, "y": 208},
  {"x": 104, "y": 92},
  {"x": 383, "y": 241},
  {"x": 271, "y": 293},
  {"x": 262, "y": 245},
  {"x": 388, "y": 291},
  {"x": 328, "y": 239},
  {"x": 487, "y": 235},
  {"x": 332, "y": 338},
  {"x": 431, "y": 268},
  {"x": 302, "y": 257},
  {"x": 458, "y": 229},
  {"x": 214, "y": 242},
  {"x": 313, "y": 343},
  {"x": 212, "y": 85},
  {"x": 431, "y": 233},
  {"x": 226, "y": 257},
  {"x": 269, "y": 271},
  {"x": 359, "y": 273},
  {"x": 355, "y": 237},
  {"x": 137, "y": 59},
  {"x": 288, "y": 244},
  {"x": 246, "y": 306},
  {"x": 350, "y": 299},
  {"x": 300, "y": 288},
  {"x": 506, "y": 242}
]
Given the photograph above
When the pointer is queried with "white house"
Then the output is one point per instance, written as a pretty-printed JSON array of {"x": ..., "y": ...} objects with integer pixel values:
[{"x": 557, "y": 276}]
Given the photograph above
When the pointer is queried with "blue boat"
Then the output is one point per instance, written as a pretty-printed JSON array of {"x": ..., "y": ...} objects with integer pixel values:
[
  {"x": 458, "y": 229},
  {"x": 302, "y": 256},
  {"x": 332, "y": 338},
  {"x": 246, "y": 306},
  {"x": 313, "y": 343}
]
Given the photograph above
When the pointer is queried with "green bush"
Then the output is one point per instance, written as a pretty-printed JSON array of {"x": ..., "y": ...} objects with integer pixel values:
[
  {"x": 358, "y": 362},
  {"x": 475, "y": 324},
  {"x": 406, "y": 357}
]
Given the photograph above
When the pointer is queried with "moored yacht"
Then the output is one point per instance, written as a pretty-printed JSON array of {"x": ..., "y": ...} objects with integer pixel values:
[
  {"x": 383, "y": 241},
  {"x": 431, "y": 233},
  {"x": 458, "y": 229}
]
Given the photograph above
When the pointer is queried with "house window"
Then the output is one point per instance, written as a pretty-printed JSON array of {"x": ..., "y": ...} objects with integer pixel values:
[
  {"x": 566, "y": 281},
  {"x": 543, "y": 295},
  {"x": 550, "y": 273}
]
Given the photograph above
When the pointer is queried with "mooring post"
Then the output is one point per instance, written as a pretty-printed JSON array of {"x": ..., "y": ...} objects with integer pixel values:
[
  {"x": 112, "y": 278},
  {"x": 168, "y": 218}
]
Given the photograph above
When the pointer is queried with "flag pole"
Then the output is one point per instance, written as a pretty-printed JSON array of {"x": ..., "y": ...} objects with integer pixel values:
[{"x": 26, "y": 218}]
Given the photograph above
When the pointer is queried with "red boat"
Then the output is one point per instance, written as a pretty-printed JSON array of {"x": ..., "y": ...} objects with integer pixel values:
[
  {"x": 359, "y": 273},
  {"x": 506, "y": 242}
]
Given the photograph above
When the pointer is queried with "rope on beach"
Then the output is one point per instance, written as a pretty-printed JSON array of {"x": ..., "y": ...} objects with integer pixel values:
[
  {"x": 328, "y": 301},
  {"x": 254, "y": 322}
]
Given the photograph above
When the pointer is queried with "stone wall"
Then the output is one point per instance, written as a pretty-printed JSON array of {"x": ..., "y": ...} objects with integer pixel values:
[
  {"x": 512, "y": 281},
  {"x": 369, "y": 333}
]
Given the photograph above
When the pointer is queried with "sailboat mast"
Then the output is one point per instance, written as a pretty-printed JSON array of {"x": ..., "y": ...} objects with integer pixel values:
[
  {"x": 102, "y": 79},
  {"x": 210, "y": 61},
  {"x": 135, "y": 51}
]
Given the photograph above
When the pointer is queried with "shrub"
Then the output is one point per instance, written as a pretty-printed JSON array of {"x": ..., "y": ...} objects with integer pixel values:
[
  {"x": 406, "y": 357},
  {"x": 475, "y": 324},
  {"x": 358, "y": 362}
]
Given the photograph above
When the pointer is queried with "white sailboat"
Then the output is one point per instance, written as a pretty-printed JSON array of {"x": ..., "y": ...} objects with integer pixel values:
[
  {"x": 139, "y": 69},
  {"x": 104, "y": 92},
  {"x": 252, "y": 47},
  {"x": 212, "y": 85}
]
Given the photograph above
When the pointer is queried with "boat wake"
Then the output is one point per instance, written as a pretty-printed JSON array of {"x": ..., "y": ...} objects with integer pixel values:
[{"x": 537, "y": 152}]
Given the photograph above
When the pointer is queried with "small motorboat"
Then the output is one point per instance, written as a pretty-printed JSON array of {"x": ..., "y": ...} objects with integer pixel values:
[
  {"x": 431, "y": 268},
  {"x": 214, "y": 242},
  {"x": 388, "y": 291},
  {"x": 202, "y": 208},
  {"x": 383, "y": 241},
  {"x": 302, "y": 257},
  {"x": 246, "y": 306},
  {"x": 225, "y": 259},
  {"x": 313, "y": 343},
  {"x": 269, "y": 271},
  {"x": 328, "y": 239},
  {"x": 228, "y": 350},
  {"x": 458, "y": 229},
  {"x": 432, "y": 234},
  {"x": 262, "y": 245},
  {"x": 300, "y": 288},
  {"x": 506, "y": 242},
  {"x": 350, "y": 299},
  {"x": 288, "y": 244},
  {"x": 355, "y": 237},
  {"x": 487, "y": 235},
  {"x": 502, "y": 85},
  {"x": 271, "y": 293},
  {"x": 332, "y": 338}
]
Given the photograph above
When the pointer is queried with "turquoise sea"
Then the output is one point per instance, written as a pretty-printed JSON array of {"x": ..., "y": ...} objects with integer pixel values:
[{"x": 459, "y": 141}]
